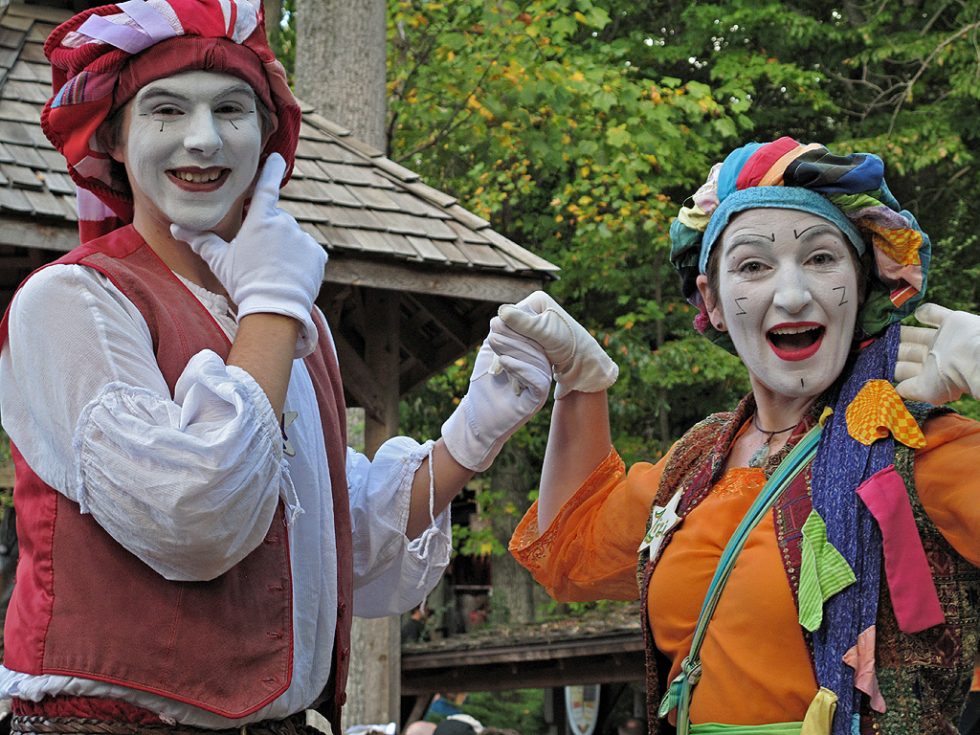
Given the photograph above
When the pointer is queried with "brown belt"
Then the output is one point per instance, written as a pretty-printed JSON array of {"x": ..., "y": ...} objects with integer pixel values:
[{"x": 41, "y": 725}]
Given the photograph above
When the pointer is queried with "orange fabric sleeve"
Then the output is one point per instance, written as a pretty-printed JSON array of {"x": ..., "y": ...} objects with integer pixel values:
[
  {"x": 947, "y": 479},
  {"x": 589, "y": 552}
]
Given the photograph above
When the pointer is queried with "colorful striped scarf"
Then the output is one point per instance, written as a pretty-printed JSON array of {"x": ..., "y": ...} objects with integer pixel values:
[{"x": 841, "y": 465}]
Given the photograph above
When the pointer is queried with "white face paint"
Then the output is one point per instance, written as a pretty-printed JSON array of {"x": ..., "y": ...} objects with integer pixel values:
[
  {"x": 788, "y": 297},
  {"x": 191, "y": 147}
]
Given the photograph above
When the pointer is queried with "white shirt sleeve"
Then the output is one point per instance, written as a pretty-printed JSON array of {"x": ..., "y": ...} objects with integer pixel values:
[
  {"x": 188, "y": 483},
  {"x": 393, "y": 573}
]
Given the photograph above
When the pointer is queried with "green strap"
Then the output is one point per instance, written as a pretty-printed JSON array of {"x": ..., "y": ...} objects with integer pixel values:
[
  {"x": 777, "y": 728},
  {"x": 679, "y": 693}
]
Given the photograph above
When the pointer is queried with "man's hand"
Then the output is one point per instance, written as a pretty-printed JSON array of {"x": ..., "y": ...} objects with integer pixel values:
[
  {"x": 579, "y": 361},
  {"x": 272, "y": 265},
  {"x": 509, "y": 384},
  {"x": 939, "y": 365}
]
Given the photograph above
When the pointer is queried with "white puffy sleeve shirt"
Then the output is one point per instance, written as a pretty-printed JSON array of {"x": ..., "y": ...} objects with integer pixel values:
[{"x": 190, "y": 483}]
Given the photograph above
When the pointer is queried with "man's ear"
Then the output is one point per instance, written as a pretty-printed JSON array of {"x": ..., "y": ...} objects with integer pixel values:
[
  {"x": 710, "y": 303},
  {"x": 111, "y": 136}
]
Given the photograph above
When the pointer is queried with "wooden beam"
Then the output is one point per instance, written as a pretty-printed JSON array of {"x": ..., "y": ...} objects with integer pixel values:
[
  {"x": 33, "y": 234},
  {"x": 359, "y": 381},
  {"x": 428, "y": 279},
  {"x": 603, "y": 660},
  {"x": 382, "y": 354},
  {"x": 435, "y": 360}
]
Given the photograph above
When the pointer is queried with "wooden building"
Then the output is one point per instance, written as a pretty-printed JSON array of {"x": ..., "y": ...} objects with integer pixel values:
[{"x": 413, "y": 277}]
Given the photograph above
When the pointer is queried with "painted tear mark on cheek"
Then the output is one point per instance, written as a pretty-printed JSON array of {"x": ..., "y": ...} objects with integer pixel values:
[
  {"x": 843, "y": 294},
  {"x": 802, "y": 384},
  {"x": 233, "y": 124},
  {"x": 741, "y": 309}
]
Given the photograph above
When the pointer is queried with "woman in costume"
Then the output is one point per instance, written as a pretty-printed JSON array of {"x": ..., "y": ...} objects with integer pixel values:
[{"x": 808, "y": 561}]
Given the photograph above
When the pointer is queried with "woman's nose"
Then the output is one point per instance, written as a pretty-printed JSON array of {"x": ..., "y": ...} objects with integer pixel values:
[
  {"x": 792, "y": 293},
  {"x": 202, "y": 134}
]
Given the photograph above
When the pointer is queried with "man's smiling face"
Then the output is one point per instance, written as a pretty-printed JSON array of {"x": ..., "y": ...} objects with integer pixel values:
[
  {"x": 191, "y": 145},
  {"x": 788, "y": 297}
]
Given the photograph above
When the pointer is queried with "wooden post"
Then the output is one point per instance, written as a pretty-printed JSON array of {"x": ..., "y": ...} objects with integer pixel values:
[{"x": 374, "y": 695}]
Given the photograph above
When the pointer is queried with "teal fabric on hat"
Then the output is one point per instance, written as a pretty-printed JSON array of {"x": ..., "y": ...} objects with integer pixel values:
[
  {"x": 779, "y": 197},
  {"x": 732, "y": 167}
]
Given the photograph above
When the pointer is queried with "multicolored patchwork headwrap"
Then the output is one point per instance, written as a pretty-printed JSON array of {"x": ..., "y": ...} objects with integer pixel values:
[
  {"x": 849, "y": 191},
  {"x": 101, "y": 57}
]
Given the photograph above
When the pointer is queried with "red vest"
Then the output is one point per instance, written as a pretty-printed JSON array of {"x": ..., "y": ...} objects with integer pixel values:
[{"x": 84, "y": 606}]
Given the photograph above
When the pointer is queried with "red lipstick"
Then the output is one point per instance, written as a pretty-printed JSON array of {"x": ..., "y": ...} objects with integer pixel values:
[{"x": 800, "y": 345}]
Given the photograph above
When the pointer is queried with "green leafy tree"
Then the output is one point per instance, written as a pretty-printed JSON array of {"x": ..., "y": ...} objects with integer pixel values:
[{"x": 578, "y": 128}]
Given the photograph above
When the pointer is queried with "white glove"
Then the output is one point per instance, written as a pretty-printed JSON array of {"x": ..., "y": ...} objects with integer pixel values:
[
  {"x": 939, "y": 365},
  {"x": 579, "y": 361},
  {"x": 507, "y": 388},
  {"x": 272, "y": 265}
]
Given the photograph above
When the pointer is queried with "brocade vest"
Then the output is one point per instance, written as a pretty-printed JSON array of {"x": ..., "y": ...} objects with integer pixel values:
[
  {"x": 923, "y": 677},
  {"x": 84, "y": 606}
]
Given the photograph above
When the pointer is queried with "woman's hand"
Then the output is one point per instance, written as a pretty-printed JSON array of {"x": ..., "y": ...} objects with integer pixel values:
[
  {"x": 941, "y": 362},
  {"x": 579, "y": 361}
]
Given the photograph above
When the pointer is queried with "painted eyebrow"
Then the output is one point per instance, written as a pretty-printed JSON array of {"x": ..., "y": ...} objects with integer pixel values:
[
  {"x": 748, "y": 238},
  {"x": 817, "y": 230},
  {"x": 167, "y": 93}
]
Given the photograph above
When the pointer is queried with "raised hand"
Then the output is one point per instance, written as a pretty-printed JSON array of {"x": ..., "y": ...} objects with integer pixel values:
[
  {"x": 509, "y": 384},
  {"x": 941, "y": 362},
  {"x": 579, "y": 361},
  {"x": 271, "y": 265}
]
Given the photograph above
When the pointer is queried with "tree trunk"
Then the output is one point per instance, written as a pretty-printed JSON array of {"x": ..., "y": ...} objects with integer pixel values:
[
  {"x": 373, "y": 686},
  {"x": 374, "y": 683},
  {"x": 513, "y": 586},
  {"x": 273, "y": 17},
  {"x": 340, "y": 63},
  {"x": 340, "y": 70}
]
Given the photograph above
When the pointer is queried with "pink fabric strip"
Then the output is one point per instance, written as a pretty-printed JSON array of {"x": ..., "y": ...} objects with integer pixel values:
[
  {"x": 913, "y": 592},
  {"x": 762, "y": 160},
  {"x": 149, "y": 19},
  {"x": 861, "y": 658},
  {"x": 124, "y": 37},
  {"x": 90, "y": 207}
]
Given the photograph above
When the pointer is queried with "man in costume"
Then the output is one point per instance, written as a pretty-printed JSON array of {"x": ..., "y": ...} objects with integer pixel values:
[{"x": 195, "y": 534}]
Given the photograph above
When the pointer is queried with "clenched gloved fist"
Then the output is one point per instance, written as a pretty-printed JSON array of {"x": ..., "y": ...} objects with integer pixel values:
[
  {"x": 939, "y": 365},
  {"x": 579, "y": 361},
  {"x": 271, "y": 265},
  {"x": 509, "y": 384}
]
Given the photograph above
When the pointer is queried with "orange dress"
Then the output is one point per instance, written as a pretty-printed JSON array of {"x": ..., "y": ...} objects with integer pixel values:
[{"x": 756, "y": 667}]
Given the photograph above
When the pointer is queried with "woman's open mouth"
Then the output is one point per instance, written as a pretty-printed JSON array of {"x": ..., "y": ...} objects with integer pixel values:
[{"x": 795, "y": 341}]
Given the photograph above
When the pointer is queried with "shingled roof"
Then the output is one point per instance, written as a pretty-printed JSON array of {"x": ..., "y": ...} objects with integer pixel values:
[
  {"x": 407, "y": 262},
  {"x": 346, "y": 194}
]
